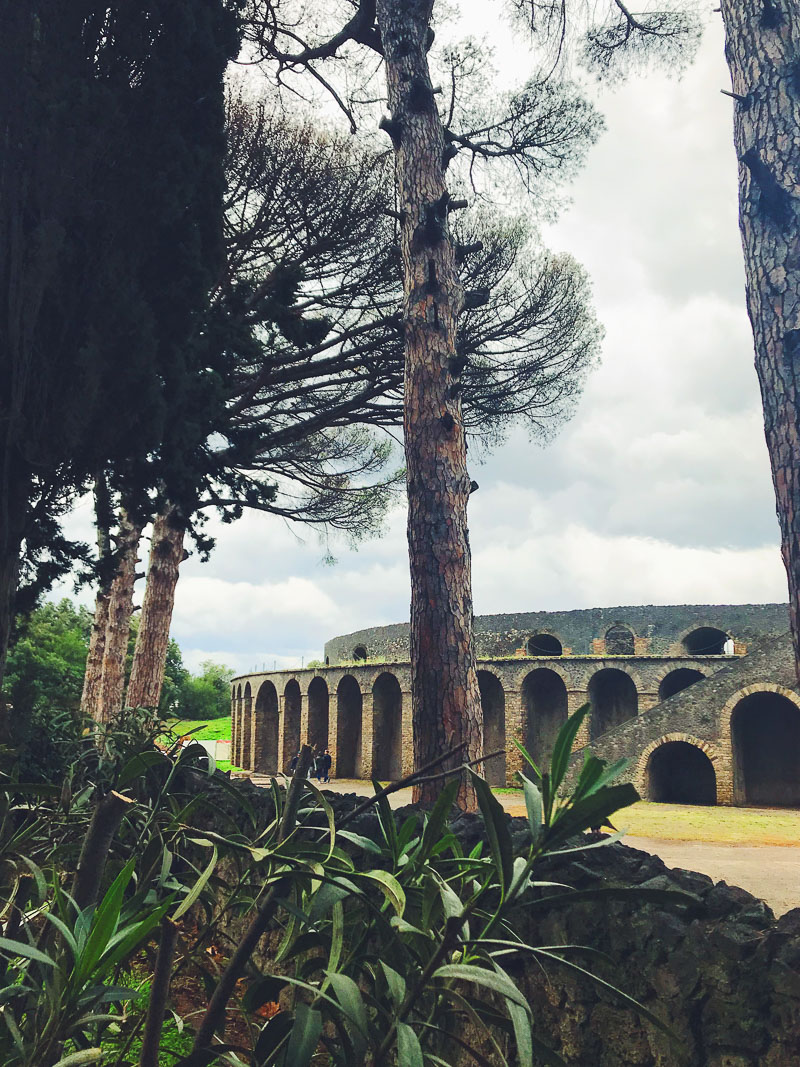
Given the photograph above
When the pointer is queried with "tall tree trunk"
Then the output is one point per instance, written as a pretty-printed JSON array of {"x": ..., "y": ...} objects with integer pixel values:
[
  {"x": 152, "y": 640},
  {"x": 118, "y": 628},
  {"x": 762, "y": 48},
  {"x": 13, "y": 518},
  {"x": 93, "y": 673},
  {"x": 444, "y": 681}
]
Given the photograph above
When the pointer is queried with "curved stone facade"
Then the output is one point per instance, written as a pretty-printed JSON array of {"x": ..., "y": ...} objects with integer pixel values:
[
  {"x": 660, "y": 630},
  {"x": 650, "y": 700}
]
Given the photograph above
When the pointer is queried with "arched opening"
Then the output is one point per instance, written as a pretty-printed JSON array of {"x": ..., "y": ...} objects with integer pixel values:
[
  {"x": 247, "y": 728},
  {"x": 614, "y": 700},
  {"x": 544, "y": 645},
  {"x": 544, "y": 699},
  {"x": 620, "y": 641},
  {"x": 681, "y": 773},
  {"x": 348, "y": 728},
  {"x": 387, "y": 728},
  {"x": 318, "y": 714},
  {"x": 765, "y": 736},
  {"x": 705, "y": 641},
  {"x": 677, "y": 681},
  {"x": 265, "y": 755},
  {"x": 493, "y": 703},
  {"x": 360, "y": 654},
  {"x": 291, "y": 722},
  {"x": 236, "y": 714},
  {"x": 327, "y": 661}
]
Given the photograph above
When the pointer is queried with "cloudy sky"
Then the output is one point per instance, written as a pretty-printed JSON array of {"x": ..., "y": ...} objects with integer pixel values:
[{"x": 657, "y": 491}]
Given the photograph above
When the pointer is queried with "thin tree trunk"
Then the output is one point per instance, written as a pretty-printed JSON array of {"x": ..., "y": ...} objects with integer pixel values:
[
  {"x": 444, "y": 683},
  {"x": 152, "y": 640},
  {"x": 97, "y": 640},
  {"x": 13, "y": 516},
  {"x": 120, "y": 609},
  {"x": 762, "y": 48}
]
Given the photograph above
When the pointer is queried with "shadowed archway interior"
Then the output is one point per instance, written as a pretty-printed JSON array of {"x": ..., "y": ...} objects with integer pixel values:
[
  {"x": 349, "y": 708},
  {"x": 544, "y": 702},
  {"x": 291, "y": 722},
  {"x": 614, "y": 700},
  {"x": 318, "y": 714},
  {"x": 681, "y": 773},
  {"x": 678, "y": 680},
  {"x": 265, "y": 739},
  {"x": 493, "y": 703},
  {"x": 387, "y": 726},
  {"x": 765, "y": 737}
]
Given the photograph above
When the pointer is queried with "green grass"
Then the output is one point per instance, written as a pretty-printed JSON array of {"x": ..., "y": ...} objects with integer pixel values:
[{"x": 201, "y": 729}]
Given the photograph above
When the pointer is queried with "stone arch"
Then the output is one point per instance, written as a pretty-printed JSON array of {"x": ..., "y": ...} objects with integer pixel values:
[
  {"x": 620, "y": 640},
  {"x": 349, "y": 708},
  {"x": 318, "y": 711},
  {"x": 387, "y": 728},
  {"x": 544, "y": 644},
  {"x": 678, "y": 769},
  {"x": 360, "y": 653},
  {"x": 292, "y": 703},
  {"x": 764, "y": 731},
  {"x": 493, "y": 704},
  {"x": 246, "y": 727},
  {"x": 677, "y": 680},
  {"x": 265, "y": 738},
  {"x": 545, "y": 710},
  {"x": 704, "y": 641},
  {"x": 614, "y": 699}
]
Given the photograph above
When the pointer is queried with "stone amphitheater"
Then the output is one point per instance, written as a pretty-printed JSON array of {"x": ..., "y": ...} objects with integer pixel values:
[{"x": 701, "y": 699}]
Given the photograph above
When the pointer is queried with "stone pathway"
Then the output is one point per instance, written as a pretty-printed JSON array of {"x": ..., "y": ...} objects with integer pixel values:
[{"x": 767, "y": 871}]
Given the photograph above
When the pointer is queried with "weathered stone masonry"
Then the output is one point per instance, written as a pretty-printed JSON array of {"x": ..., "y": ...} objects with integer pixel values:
[{"x": 628, "y": 663}]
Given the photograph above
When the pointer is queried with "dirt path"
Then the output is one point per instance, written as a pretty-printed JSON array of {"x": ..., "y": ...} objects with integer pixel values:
[{"x": 767, "y": 871}]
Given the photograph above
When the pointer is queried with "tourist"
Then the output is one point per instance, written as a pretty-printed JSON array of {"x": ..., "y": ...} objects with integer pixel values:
[
  {"x": 324, "y": 764},
  {"x": 293, "y": 764}
]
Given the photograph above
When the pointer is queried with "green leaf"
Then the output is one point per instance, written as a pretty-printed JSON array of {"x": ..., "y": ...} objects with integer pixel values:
[
  {"x": 390, "y": 887},
  {"x": 304, "y": 1037},
  {"x": 140, "y": 763},
  {"x": 274, "y": 1034},
  {"x": 409, "y": 1050},
  {"x": 104, "y": 924},
  {"x": 198, "y": 886},
  {"x": 498, "y": 983},
  {"x": 438, "y": 817},
  {"x": 19, "y": 948},
  {"x": 528, "y": 758},
  {"x": 534, "y": 807},
  {"x": 356, "y": 839},
  {"x": 386, "y": 822},
  {"x": 591, "y": 811},
  {"x": 496, "y": 824},
  {"x": 349, "y": 996},
  {"x": 395, "y": 983},
  {"x": 77, "y": 1059},
  {"x": 562, "y": 750}
]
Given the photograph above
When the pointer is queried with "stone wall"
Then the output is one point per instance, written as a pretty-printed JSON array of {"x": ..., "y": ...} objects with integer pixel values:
[
  {"x": 656, "y": 629},
  {"x": 701, "y": 716}
]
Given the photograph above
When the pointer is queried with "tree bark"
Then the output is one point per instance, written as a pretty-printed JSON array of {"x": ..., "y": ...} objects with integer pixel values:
[
  {"x": 444, "y": 682},
  {"x": 13, "y": 518},
  {"x": 152, "y": 640},
  {"x": 762, "y": 47},
  {"x": 120, "y": 609},
  {"x": 97, "y": 639}
]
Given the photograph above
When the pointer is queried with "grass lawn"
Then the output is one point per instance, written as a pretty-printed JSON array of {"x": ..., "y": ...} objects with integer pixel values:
[
  {"x": 689, "y": 822},
  {"x": 721, "y": 825},
  {"x": 201, "y": 729}
]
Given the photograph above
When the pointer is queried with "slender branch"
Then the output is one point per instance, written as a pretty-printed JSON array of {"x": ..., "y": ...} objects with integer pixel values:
[
  {"x": 214, "y": 1017},
  {"x": 159, "y": 991}
]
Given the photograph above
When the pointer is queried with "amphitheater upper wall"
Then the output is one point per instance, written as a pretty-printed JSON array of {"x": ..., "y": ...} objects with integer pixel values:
[{"x": 656, "y": 629}]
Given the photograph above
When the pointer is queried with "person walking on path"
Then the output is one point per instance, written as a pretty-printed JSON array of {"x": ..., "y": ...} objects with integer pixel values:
[{"x": 324, "y": 766}]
